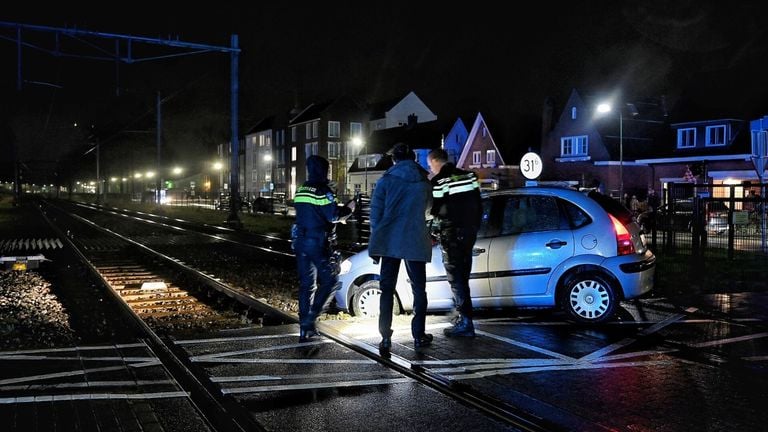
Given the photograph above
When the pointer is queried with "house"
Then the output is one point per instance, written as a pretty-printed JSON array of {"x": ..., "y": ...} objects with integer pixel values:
[
  {"x": 372, "y": 163},
  {"x": 329, "y": 129},
  {"x": 586, "y": 147},
  {"x": 638, "y": 148},
  {"x": 454, "y": 140},
  {"x": 395, "y": 112},
  {"x": 481, "y": 155}
]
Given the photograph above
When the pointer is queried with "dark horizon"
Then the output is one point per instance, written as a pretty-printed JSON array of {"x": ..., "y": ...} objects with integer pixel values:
[{"x": 705, "y": 58}]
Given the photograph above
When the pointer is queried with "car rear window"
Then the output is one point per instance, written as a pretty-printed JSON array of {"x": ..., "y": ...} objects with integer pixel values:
[{"x": 612, "y": 206}]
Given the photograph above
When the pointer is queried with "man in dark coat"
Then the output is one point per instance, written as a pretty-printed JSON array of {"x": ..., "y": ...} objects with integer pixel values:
[
  {"x": 457, "y": 208},
  {"x": 399, "y": 207},
  {"x": 316, "y": 213}
]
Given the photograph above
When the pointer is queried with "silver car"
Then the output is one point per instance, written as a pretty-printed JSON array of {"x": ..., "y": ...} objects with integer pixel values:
[{"x": 538, "y": 247}]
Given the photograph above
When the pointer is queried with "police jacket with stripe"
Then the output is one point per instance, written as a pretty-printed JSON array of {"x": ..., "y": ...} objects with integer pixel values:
[
  {"x": 456, "y": 200},
  {"x": 315, "y": 201}
]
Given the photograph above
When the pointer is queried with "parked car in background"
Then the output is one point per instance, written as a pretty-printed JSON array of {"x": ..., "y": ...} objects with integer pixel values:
[{"x": 538, "y": 247}]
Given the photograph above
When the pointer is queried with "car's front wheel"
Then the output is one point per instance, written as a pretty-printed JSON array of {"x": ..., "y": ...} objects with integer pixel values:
[
  {"x": 366, "y": 299},
  {"x": 589, "y": 297}
]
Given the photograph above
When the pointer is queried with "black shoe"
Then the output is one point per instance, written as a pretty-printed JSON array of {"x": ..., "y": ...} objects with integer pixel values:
[
  {"x": 462, "y": 328},
  {"x": 385, "y": 344},
  {"x": 306, "y": 334},
  {"x": 424, "y": 340}
]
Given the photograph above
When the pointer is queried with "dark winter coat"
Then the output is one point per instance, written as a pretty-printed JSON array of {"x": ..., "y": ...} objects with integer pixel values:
[{"x": 399, "y": 207}]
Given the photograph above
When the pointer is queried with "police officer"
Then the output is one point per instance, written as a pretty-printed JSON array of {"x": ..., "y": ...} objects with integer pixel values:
[
  {"x": 316, "y": 212},
  {"x": 457, "y": 208}
]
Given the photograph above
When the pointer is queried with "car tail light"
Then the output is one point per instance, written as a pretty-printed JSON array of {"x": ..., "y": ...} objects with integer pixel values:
[{"x": 624, "y": 243}]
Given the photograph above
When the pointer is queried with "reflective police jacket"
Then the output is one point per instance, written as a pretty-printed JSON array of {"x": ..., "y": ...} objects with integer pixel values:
[
  {"x": 315, "y": 201},
  {"x": 456, "y": 201}
]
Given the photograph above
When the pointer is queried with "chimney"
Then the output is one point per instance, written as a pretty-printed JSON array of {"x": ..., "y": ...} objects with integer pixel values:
[{"x": 412, "y": 120}]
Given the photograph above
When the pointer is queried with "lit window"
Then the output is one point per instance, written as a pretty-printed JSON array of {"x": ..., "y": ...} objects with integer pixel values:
[
  {"x": 490, "y": 157},
  {"x": 574, "y": 146},
  {"x": 293, "y": 154},
  {"x": 476, "y": 158}
]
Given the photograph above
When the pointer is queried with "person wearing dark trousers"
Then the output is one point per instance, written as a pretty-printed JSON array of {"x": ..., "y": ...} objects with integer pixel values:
[
  {"x": 458, "y": 210},
  {"x": 316, "y": 214},
  {"x": 399, "y": 208}
]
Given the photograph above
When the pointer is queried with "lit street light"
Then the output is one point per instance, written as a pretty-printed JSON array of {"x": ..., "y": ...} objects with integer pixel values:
[
  {"x": 602, "y": 109},
  {"x": 606, "y": 107},
  {"x": 358, "y": 142}
]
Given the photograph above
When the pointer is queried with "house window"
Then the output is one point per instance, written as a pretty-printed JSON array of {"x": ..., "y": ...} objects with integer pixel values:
[
  {"x": 686, "y": 138},
  {"x": 573, "y": 113},
  {"x": 715, "y": 135},
  {"x": 759, "y": 143},
  {"x": 355, "y": 129},
  {"x": 574, "y": 146},
  {"x": 310, "y": 149},
  {"x": 254, "y": 175},
  {"x": 476, "y": 160},
  {"x": 315, "y": 125},
  {"x": 293, "y": 134},
  {"x": 334, "y": 149},
  {"x": 308, "y": 130},
  {"x": 485, "y": 131},
  {"x": 334, "y": 129},
  {"x": 293, "y": 154},
  {"x": 490, "y": 157}
]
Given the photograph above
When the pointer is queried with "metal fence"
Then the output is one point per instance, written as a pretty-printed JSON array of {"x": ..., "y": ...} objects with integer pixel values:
[{"x": 710, "y": 236}]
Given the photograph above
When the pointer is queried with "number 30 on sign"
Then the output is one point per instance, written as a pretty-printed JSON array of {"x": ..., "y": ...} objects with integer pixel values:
[{"x": 530, "y": 166}]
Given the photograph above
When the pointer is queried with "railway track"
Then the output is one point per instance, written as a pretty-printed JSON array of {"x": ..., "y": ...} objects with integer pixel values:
[{"x": 176, "y": 304}]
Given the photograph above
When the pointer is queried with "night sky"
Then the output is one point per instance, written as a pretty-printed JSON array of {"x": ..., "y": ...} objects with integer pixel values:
[{"x": 707, "y": 59}]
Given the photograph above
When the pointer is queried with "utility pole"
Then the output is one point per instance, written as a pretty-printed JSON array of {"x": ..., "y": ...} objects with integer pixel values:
[{"x": 159, "y": 182}]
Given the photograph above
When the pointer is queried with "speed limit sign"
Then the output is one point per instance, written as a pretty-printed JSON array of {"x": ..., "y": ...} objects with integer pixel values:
[{"x": 530, "y": 165}]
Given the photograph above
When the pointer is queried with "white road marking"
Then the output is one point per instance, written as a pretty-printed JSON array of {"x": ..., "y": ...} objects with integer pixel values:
[
  {"x": 558, "y": 368},
  {"x": 524, "y": 345},
  {"x": 28, "y": 357},
  {"x": 232, "y": 339},
  {"x": 259, "y": 350},
  {"x": 87, "y": 384},
  {"x": 287, "y": 361},
  {"x": 224, "y": 379},
  {"x": 308, "y": 386},
  {"x": 755, "y": 358},
  {"x": 74, "y": 373},
  {"x": 93, "y": 396},
  {"x": 727, "y": 340},
  {"x": 661, "y": 324},
  {"x": 76, "y": 348}
]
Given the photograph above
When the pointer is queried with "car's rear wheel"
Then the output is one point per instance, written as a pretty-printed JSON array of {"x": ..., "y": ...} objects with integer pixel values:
[
  {"x": 366, "y": 299},
  {"x": 589, "y": 297}
]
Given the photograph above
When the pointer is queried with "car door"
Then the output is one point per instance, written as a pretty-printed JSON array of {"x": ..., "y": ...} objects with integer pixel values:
[
  {"x": 439, "y": 293},
  {"x": 535, "y": 237}
]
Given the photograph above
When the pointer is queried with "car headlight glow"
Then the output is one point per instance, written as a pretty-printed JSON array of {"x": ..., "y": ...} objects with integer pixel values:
[{"x": 346, "y": 266}]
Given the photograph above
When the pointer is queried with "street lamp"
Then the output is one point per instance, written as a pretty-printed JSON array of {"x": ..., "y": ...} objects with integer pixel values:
[
  {"x": 602, "y": 109},
  {"x": 358, "y": 142}
]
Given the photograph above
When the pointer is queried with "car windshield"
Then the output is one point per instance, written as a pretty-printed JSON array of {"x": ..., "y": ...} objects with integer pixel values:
[{"x": 612, "y": 206}]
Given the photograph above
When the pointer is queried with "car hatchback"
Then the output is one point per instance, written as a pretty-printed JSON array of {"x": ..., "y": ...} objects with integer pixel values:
[{"x": 538, "y": 247}]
